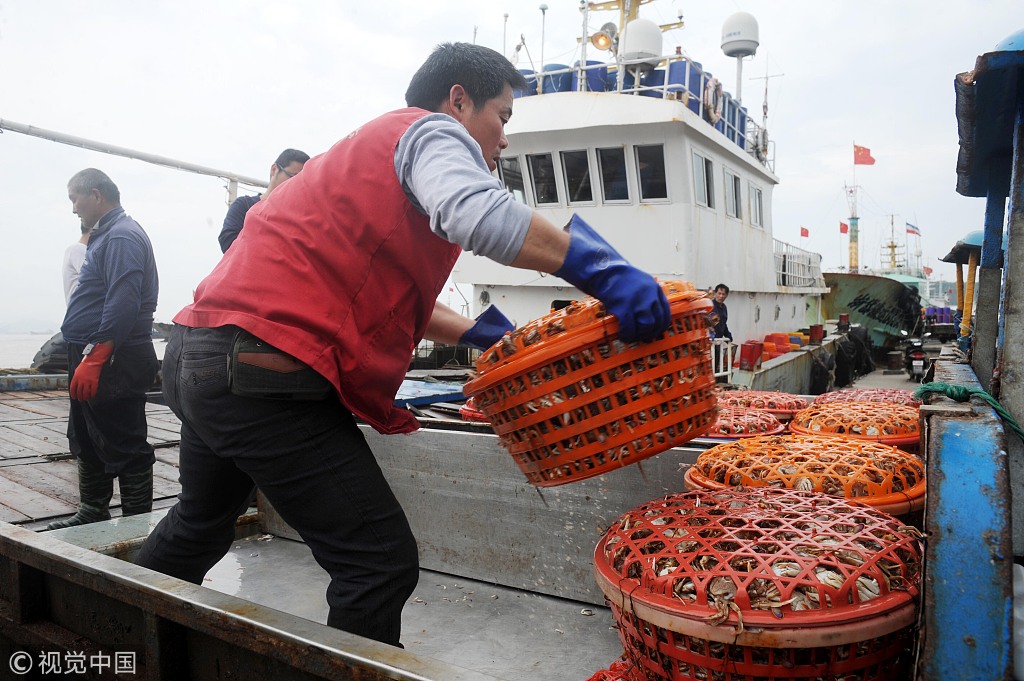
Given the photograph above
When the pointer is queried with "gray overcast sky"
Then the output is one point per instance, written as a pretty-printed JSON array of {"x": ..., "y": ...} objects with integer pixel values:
[{"x": 228, "y": 84}]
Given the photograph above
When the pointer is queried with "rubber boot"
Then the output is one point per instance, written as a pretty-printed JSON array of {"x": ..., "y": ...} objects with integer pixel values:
[
  {"x": 95, "y": 488},
  {"x": 136, "y": 492}
]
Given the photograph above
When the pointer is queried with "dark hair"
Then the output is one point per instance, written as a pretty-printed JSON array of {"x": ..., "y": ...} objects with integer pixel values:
[
  {"x": 290, "y": 156},
  {"x": 85, "y": 181},
  {"x": 724, "y": 287},
  {"x": 483, "y": 72}
]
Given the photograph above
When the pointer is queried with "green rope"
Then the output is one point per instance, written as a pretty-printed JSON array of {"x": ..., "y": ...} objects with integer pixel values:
[{"x": 962, "y": 393}]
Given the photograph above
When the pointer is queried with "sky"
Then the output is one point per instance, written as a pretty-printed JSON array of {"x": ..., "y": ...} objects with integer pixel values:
[{"x": 229, "y": 84}]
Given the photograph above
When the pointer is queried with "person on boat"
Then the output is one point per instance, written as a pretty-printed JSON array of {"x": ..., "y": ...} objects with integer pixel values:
[
  {"x": 318, "y": 309},
  {"x": 287, "y": 165},
  {"x": 74, "y": 256},
  {"x": 719, "y": 308},
  {"x": 108, "y": 329}
]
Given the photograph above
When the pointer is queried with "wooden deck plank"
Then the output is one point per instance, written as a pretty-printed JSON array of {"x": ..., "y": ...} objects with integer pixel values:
[
  {"x": 43, "y": 478},
  {"x": 9, "y": 515},
  {"x": 35, "y": 440},
  {"x": 31, "y": 503}
]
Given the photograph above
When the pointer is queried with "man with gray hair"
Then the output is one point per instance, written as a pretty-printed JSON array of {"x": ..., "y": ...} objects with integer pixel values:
[{"x": 110, "y": 312}]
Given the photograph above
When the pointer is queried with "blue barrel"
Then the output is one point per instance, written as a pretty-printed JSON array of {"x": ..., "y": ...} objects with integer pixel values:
[
  {"x": 743, "y": 128},
  {"x": 677, "y": 75},
  {"x": 695, "y": 84},
  {"x": 560, "y": 82},
  {"x": 596, "y": 79},
  {"x": 655, "y": 78},
  {"x": 613, "y": 81},
  {"x": 531, "y": 84}
]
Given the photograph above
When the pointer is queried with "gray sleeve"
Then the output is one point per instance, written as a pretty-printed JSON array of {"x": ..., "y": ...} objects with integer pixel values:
[{"x": 443, "y": 172}]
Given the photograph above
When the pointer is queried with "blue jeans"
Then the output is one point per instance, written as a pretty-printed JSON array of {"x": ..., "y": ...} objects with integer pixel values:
[{"x": 310, "y": 461}]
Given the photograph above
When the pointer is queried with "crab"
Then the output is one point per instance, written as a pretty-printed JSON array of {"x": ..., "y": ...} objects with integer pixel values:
[{"x": 721, "y": 595}]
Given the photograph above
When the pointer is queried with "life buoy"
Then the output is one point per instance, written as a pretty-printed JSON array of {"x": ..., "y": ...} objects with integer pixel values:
[
  {"x": 761, "y": 144},
  {"x": 713, "y": 101}
]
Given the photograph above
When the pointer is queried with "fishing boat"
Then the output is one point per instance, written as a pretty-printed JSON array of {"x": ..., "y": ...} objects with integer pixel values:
[{"x": 671, "y": 168}]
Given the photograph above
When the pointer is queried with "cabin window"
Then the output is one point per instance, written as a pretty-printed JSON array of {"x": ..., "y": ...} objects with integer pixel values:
[
  {"x": 613, "y": 174},
  {"x": 650, "y": 166},
  {"x": 542, "y": 175},
  {"x": 511, "y": 174},
  {"x": 733, "y": 197},
  {"x": 576, "y": 169},
  {"x": 703, "y": 181},
  {"x": 756, "y": 207}
]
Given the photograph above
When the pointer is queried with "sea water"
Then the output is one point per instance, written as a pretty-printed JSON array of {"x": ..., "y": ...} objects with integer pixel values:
[{"x": 18, "y": 349}]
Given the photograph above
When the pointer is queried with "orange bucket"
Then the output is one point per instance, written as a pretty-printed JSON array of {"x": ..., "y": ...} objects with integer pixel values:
[{"x": 570, "y": 401}]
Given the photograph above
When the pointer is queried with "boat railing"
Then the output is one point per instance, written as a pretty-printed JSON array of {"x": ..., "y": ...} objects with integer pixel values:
[
  {"x": 797, "y": 267},
  {"x": 676, "y": 77},
  {"x": 722, "y": 357}
]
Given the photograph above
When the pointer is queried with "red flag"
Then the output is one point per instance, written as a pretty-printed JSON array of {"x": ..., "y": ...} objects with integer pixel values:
[
  {"x": 804, "y": 231},
  {"x": 844, "y": 228},
  {"x": 862, "y": 156},
  {"x": 927, "y": 271}
]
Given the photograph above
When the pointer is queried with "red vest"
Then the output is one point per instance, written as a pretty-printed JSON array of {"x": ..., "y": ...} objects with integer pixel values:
[{"x": 338, "y": 269}]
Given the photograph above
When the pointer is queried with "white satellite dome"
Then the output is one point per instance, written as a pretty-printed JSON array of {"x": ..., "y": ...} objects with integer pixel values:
[
  {"x": 641, "y": 39},
  {"x": 740, "y": 35}
]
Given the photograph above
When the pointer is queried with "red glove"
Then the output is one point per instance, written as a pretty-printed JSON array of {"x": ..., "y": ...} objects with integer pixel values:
[{"x": 86, "y": 381}]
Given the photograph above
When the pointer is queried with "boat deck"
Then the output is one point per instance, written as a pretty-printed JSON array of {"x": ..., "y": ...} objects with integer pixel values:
[{"x": 496, "y": 630}]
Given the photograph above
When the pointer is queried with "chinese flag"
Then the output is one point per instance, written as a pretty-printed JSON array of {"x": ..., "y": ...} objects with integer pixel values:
[
  {"x": 804, "y": 231},
  {"x": 862, "y": 156},
  {"x": 844, "y": 228}
]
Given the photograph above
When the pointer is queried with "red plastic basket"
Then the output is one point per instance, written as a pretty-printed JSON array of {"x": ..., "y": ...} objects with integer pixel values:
[
  {"x": 736, "y": 422},
  {"x": 570, "y": 401},
  {"x": 891, "y": 424},
  {"x": 884, "y": 395},
  {"x": 781, "y": 405},
  {"x": 881, "y": 476},
  {"x": 762, "y": 584}
]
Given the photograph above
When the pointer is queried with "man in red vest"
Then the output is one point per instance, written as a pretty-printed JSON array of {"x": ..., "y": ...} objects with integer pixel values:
[{"x": 310, "y": 320}]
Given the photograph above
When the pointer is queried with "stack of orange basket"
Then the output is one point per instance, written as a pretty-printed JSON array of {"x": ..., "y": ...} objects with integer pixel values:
[
  {"x": 762, "y": 584},
  {"x": 779, "y": 404},
  {"x": 884, "y": 395},
  {"x": 878, "y": 475},
  {"x": 897, "y": 425},
  {"x": 570, "y": 401},
  {"x": 736, "y": 422}
]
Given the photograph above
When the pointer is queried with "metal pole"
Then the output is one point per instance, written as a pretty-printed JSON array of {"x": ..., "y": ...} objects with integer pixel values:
[
  {"x": 504, "y": 37},
  {"x": 540, "y": 76},
  {"x": 104, "y": 148}
]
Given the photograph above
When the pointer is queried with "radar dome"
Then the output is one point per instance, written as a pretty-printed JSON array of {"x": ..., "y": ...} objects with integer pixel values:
[
  {"x": 739, "y": 35},
  {"x": 1011, "y": 43},
  {"x": 641, "y": 39}
]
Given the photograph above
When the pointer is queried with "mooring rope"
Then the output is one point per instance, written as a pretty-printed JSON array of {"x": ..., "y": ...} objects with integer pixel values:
[{"x": 962, "y": 393}]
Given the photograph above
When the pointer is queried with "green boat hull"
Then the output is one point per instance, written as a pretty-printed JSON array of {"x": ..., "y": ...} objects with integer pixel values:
[{"x": 887, "y": 308}]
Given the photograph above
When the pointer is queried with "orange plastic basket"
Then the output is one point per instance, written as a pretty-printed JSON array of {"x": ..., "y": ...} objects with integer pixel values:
[
  {"x": 884, "y": 395},
  {"x": 762, "y": 584},
  {"x": 881, "y": 476},
  {"x": 736, "y": 422},
  {"x": 780, "y": 404},
  {"x": 570, "y": 401},
  {"x": 892, "y": 424}
]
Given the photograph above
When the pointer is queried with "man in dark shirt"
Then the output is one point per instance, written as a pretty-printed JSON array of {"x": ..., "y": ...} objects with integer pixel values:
[
  {"x": 719, "y": 308},
  {"x": 110, "y": 312},
  {"x": 287, "y": 165}
]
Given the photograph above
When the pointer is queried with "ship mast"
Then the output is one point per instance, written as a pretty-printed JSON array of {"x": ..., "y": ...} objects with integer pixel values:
[{"x": 851, "y": 196}]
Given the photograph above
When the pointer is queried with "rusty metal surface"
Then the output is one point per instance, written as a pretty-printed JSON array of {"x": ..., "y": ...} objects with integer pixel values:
[{"x": 968, "y": 594}]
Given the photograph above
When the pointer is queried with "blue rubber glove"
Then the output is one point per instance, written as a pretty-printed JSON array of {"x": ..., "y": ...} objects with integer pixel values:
[
  {"x": 490, "y": 326},
  {"x": 633, "y": 296}
]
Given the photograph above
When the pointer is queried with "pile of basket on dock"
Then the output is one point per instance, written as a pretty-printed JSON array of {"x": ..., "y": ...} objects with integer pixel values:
[{"x": 570, "y": 401}]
